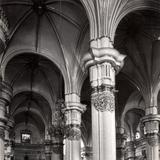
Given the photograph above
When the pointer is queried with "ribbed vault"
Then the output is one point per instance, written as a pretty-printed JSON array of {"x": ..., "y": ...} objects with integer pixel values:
[
  {"x": 55, "y": 29},
  {"x": 137, "y": 36}
]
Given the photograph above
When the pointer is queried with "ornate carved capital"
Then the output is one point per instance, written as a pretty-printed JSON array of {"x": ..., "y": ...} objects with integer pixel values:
[
  {"x": 104, "y": 101},
  {"x": 103, "y": 51},
  {"x": 73, "y": 132},
  {"x": 153, "y": 139},
  {"x": 150, "y": 128}
]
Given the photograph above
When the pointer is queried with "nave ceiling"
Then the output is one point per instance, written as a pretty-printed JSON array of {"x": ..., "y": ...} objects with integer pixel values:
[{"x": 47, "y": 40}]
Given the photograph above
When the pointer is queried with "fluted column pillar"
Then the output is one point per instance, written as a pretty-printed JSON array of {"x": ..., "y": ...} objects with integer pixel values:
[
  {"x": 5, "y": 97},
  {"x": 103, "y": 62},
  {"x": 73, "y": 112},
  {"x": 151, "y": 132}
]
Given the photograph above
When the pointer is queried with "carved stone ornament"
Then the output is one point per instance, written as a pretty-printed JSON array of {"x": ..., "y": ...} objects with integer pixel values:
[
  {"x": 153, "y": 139},
  {"x": 73, "y": 132},
  {"x": 104, "y": 101}
]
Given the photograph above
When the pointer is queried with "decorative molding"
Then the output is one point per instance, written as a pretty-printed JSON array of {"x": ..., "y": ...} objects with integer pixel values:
[
  {"x": 73, "y": 132},
  {"x": 104, "y": 101},
  {"x": 153, "y": 139}
]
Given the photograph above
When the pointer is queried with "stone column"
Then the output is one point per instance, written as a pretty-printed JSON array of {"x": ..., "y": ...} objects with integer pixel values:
[
  {"x": 151, "y": 132},
  {"x": 73, "y": 112},
  {"x": 57, "y": 149},
  {"x": 130, "y": 151},
  {"x": 48, "y": 149},
  {"x": 5, "y": 98},
  {"x": 120, "y": 143},
  {"x": 8, "y": 142},
  {"x": 103, "y": 62},
  {"x": 5, "y": 91}
]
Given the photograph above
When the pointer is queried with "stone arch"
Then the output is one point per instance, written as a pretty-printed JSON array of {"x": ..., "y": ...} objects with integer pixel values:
[
  {"x": 138, "y": 6},
  {"x": 13, "y": 54}
]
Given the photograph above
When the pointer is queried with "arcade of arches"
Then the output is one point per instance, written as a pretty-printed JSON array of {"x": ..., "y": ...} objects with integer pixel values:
[{"x": 79, "y": 79}]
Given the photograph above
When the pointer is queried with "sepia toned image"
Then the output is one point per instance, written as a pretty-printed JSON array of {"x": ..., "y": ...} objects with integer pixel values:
[{"x": 79, "y": 79}]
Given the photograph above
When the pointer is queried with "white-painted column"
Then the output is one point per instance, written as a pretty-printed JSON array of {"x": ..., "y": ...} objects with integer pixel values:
[
  {"x": 73, "y": 112},
  {"x": 151, "y": 131},
  {"x": 57, "y": 148},
  {"x": 103, "y": 62},
  {"x": 5, "y": 97},
  {"x": 103, "y": 112}
]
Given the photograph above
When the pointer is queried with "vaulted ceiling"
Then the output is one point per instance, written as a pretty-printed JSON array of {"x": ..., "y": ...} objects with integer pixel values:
[
  {"x": 48, "y": 38},
  {"x": 46, "y": 41}
]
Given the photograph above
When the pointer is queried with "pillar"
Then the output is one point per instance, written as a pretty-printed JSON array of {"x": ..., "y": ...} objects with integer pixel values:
[
  {"x": 48, "y": 148},
  {"x": 130, "y": 151},
  {"x": 57, "y": 149},
  {"x": 120, "y": 143},
  {"x": 73, "y": 112},
  {"x": 151, "y": 132},
  {"x": 5, "y": 90},
  {"x": 8, "y": 142},
  {"x": 103, "y": 62},
  {"x": 5, "y": 98}
]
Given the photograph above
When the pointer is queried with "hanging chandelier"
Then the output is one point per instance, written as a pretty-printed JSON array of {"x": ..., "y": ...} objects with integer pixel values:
[{"x": 57, "y": 128}]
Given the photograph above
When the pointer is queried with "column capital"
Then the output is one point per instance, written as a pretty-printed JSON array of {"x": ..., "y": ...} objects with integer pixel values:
[
  {"x": 101, "y": 50},
  {"x": 73, "y": 112},
  {"x": 103, "y": 101},
  {"x": 150, "y": 125}
]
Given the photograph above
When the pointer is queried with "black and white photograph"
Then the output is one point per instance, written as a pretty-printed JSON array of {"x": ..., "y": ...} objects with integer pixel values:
[{"x": 79, "y": 79}]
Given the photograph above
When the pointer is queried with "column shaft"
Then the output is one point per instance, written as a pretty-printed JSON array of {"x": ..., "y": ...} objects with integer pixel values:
[
  {"x": 152, "y": 152},
  {"x": 103, "y": 112},
  {"x": 73, "y": 112},
  {"x": 151, "y": 130},
  {"x": 103, "y": 62},
  {"x": 104, "y": 138},
  {"x": 1, "y": 143},
  {"x": 73, "y": 150}
]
